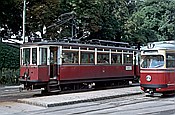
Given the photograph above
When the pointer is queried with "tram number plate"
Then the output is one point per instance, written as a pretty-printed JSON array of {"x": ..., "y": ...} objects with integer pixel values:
[{"x": 128, "y": 68}]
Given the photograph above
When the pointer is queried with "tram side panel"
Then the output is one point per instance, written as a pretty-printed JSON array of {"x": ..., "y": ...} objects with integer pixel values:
[
  {"x": 43, "y": 73},
  {"x": 35, "y": 74},
  {"x": 170, "y": 79},
  {"x": 68, "y": 73}
]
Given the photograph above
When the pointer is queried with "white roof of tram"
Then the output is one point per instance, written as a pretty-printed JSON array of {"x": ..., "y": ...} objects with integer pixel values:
[
  {"x": 120, "y": 45},
  {"x": 166, "y": 45}
]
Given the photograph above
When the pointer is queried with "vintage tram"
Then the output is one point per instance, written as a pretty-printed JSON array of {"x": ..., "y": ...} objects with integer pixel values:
[
  {"x": 68, "y": 65},
  {"x": 157, "y": 73}
]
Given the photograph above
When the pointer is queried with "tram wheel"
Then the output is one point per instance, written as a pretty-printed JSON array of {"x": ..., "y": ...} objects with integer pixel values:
[{"x": 43, "y": 92}]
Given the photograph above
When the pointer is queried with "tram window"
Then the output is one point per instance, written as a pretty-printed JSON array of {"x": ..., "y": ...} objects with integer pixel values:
[
  {"x": 83, "y": 48},
  {"x": 100, "y": 49},
  {"x": 119, "y": 50},
  {"x": 102, "y": 58},
  {"x": 74, "y": 47},
  {"x": 152, "y": 61},
  {"x": 116, "y": 59},
  {"x": 26, "y": 56},
  {"x": 43, "y": 55},
  {"x": 70, "y": 57},
  {"x": 128, "y": 58},
  {"x": 91, "y": 48},
  {"x": 34, "y": 56},
  {"x": 170, "y": 60},
  {"x": 87, "y": 57},
  {"x": 53, "y": 57},
  {"x": 66, "y": 47}
]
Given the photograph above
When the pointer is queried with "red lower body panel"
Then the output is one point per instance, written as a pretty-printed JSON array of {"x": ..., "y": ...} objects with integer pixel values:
[
  {"x": 93, "y": 72},
  {"x": 161, "y": 80}
]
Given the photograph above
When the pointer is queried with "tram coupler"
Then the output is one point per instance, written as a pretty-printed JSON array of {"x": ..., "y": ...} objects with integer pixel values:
[
  {"x": 149, "y": 92},
  {"x": 21, "y": 87}
]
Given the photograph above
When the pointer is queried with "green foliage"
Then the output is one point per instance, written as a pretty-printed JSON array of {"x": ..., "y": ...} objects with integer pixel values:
[
  {"x": 120, "y": 20},
  {"x": 9, "y": 57},
  {"x": 10, "y": 17},
  {"x": 9, "y": 64},
  {"x": 9, "y": 76},
  {"x": 154, "y": 21},
  {"x": 104, "y": 19}
]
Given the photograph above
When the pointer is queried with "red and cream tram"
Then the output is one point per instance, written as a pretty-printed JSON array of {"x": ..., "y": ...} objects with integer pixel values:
[
  {"x": 58, "y": 66},
  {"x": 157, "y": 73}
]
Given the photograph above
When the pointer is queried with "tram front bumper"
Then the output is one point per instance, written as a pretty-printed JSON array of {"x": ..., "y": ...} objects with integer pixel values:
[
  {"x": 154, "y": 85},
  {"x": 32, "y": 84}
]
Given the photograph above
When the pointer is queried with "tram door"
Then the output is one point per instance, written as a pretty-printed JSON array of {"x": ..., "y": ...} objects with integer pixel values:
[{"x": 53, "y": 62}]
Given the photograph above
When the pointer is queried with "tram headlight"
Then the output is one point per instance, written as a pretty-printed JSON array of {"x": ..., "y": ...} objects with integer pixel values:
[
  {"x": 25, "y": 75},
  {"x": 148, "y": 78}
]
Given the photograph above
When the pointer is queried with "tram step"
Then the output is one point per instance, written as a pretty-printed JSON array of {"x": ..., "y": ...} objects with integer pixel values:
[
  {"x": 54, "y": 91},
  {"x": 54, "y": 88},
  {"x": 53, "y": 82},
  {"x": 54, "y": 85}
]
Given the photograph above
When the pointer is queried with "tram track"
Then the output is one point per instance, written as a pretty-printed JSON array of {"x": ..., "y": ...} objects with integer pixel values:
[
  {"x": 106, "y": 105},
  {"x": 14, "y": 94},
  {"x": 109, "y": 106}
]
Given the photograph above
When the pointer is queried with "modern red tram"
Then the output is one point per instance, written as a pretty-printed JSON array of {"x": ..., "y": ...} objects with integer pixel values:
[
  {"x": 157, "y": 73},
  {"x": 60, "y": 65}
]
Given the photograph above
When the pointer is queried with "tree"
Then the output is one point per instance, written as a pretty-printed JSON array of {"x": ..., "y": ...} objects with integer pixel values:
[
  {"x": 10, "y": 18},
  {"x": 104, "y": 19},
  {"x": 153, "y": 21}
]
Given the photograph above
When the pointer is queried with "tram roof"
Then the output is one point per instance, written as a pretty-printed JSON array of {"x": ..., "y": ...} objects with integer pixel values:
[
  {"x": 164, "y": 45},
  {"x": 91, "y": 43}
]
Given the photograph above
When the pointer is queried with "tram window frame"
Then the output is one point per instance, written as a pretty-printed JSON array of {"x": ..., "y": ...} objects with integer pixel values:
[
  {"x": 34, "y": 57},
  {"x": 126, "y": 59},
  {"x": 152, "y": 61},
  {"x": 25, "y": 55},
  {"x": 170, "y": 63},
  {"x": 70, "y": 59},
  {"x": 103, "y": 58},
  {"x": 43, "y": 51},
  {"x": 89, "y": 60},
  {"x": 116, "y": 60}
]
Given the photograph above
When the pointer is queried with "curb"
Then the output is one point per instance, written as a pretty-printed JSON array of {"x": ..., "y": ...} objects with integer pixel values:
[{"x": 75, "y": 102}]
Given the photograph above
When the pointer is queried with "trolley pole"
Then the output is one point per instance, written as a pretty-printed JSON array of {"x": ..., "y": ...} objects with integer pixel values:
[{"x": 24, "y": 15}]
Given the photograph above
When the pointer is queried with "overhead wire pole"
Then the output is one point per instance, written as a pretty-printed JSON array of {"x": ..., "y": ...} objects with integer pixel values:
[{"x": 24, "y": 16}]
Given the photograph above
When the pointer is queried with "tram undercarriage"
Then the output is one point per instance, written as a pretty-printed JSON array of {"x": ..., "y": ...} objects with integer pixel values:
[
  {"x": 159, "y": 91},
  {"x": 55, "y": 86}
]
